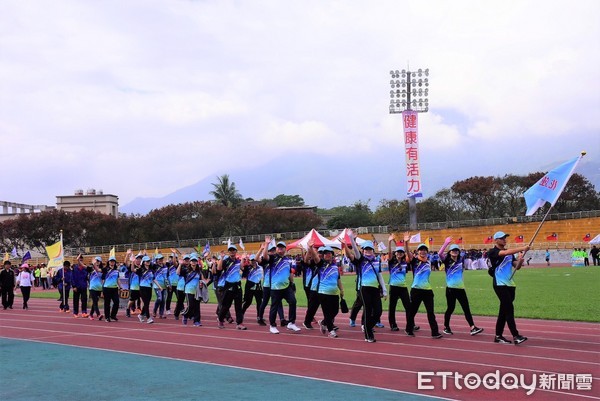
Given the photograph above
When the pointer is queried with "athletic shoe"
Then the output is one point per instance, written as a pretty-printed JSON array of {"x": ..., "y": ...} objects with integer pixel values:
[
  {"x": 107, "y": 320},
  {"x": 176, "y": 317},
  {"x": 380, "y": 325},
  {"x": 127, "y": 313},
  {"x": 75, "y": 316},
  {"x": 370, "y": 340},
  {"x": 273, "y": 330},
  {"x": 114, "y": 318},
  {"x": 221, "y": 325},
  {"x": 438, "y": 335},
  {"x": 241, "y": 327},
  {"x": 476, "y": 330},
  {"x": 352, "y": 323},
  {"x": 184, "y": 321},
  {"x": 284, "y": 322},
  {"x": 416, "y": 328},
  {"x": 519, "y": 339},
  {"x": 150, "y": 321},
  {"x": 448, "y": 331},
  {"x": 409, "y": 333},
  {"x": 168, "y": 312},
  {"x": 141, "y": 318},
  {"x": 362, "y": 328},
  {"x": 230, "y": 320},
  {"x": 261, "y": 322},
  {"x": 84, "y": 315},
  {"x": 292, "y": 326},
  {"x": 197, "y": 324},
  {"x": 308, "y": 326},
  {"x": 394, "y": 328},
  {"x": 332, "y": 334},
  {"x": 91, "y": 317},
  {"x": 101, "y": 318},
  {"x": 501, "y": 340},
  {"x": 322, "y": 327}
]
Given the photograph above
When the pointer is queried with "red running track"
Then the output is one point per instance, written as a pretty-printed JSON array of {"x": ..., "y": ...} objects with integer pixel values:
[{"x": 393, "y": 362}]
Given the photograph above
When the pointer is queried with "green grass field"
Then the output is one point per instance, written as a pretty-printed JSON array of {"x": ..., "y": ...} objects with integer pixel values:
[{"x": 561, "y": 293}]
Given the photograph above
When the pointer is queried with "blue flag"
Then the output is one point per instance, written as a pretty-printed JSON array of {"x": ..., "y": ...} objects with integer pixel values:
[
  {"x": 550, "y": 186},
  {"x": 27, "y": 256},
  {"x": 13, "y": 253},
  {"x": 206, "y": 249}
]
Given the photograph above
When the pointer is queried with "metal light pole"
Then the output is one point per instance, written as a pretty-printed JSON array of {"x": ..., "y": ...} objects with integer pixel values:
[{"x": 409, "y": 92}]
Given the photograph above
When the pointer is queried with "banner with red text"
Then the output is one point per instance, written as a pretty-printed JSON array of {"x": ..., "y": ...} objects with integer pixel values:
[{"x": 411, "y": 148}]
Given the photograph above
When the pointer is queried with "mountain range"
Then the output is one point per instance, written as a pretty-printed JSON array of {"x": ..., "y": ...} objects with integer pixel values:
[{"x": 321, "y": 184}]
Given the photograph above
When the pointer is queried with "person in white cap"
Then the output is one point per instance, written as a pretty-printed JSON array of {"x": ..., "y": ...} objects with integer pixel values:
[
  {"x": 369, "y": 283},
  {"x": 161, "y": 278},
  {"x": 421, "y": 290},
  {"x": 502, "y": 265},
  {"x": 455, "y": 286},
  {"x": 329, "y": 287},
  {"x": 25, "y": 282},
  {"x": 146, "y": 280},
  {"x": 110, "y": 290},
  {"x": 282, "y": 277},
  {"x": 253, "y": 288},
  {"x": 230, "y": 284}
]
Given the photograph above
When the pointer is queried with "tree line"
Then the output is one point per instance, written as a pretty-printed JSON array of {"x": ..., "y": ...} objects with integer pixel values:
[{"x": 232, "y": 215}]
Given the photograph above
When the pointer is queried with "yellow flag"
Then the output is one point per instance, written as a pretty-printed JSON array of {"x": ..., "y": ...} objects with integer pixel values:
[
  {"x": 6, "y": 256},
  {"x": 156, "y": 251},
  {"x": 112, "y": 253},
  {"x": 55, "y": 255}
]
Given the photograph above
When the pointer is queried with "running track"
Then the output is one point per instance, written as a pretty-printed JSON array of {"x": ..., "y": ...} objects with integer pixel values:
[{"x": 554, "y": 347}]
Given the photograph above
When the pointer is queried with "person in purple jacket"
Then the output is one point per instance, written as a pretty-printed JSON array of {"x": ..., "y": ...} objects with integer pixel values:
[{"x": 80, "y": 286}]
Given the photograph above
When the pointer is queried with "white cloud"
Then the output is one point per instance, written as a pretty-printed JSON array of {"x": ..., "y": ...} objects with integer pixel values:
[{"x": 142, "y": 98}]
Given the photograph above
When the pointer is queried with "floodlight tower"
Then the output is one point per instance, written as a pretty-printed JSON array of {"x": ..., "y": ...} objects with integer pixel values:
[{"x": 409, "y": 95}]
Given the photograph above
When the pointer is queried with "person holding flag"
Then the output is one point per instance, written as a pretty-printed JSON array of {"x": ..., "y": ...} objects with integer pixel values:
[
  {"x": 502, "y": 262},
  {"x": 64, "y": 280}
]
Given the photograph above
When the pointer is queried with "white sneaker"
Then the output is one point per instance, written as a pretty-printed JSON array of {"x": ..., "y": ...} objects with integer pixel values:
[
  {"x": 150, "y": 321},
  {"x": 273, "y": 330},
  {"x": 293, "y": 327},
  {"x": 333, "y": 334},
  {"x": 141, "y": 318},
  {"x": 168, "y": 312}
]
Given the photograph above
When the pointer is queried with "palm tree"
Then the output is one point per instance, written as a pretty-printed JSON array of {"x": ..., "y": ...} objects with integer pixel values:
[{"x": 225, "y": 192}]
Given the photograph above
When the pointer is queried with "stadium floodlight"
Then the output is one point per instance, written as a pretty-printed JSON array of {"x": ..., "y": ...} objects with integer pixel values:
[{"x": 409, "y": 91}]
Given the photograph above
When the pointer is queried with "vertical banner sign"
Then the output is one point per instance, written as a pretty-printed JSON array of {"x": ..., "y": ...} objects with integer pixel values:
[{"x": 411, "y": 146}]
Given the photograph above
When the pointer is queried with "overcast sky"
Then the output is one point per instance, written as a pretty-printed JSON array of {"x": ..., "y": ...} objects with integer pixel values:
[{"x": 140, "y": 98}]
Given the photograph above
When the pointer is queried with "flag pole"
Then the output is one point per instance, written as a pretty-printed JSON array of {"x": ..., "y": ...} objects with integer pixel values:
[
  {"x": 533, "y": 238},
  {"x": 540, "y": 226}
]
